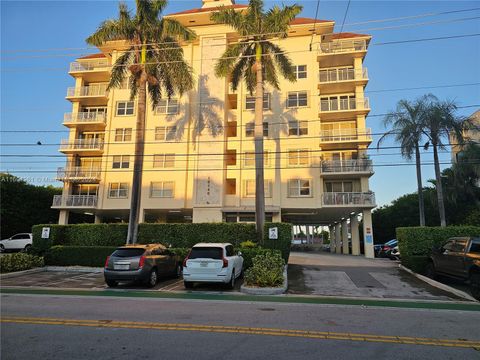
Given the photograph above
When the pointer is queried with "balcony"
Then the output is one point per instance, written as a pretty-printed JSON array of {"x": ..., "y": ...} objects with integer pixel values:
[
  {"x": 340, "y": 80},
  {"x": 84, "y": 146},
  {"x": 90, "y": 119},
  {"x": 78, "y": 174},
  {"x": 343, "y": 51},
  {"x": 345, "y": 136},
  {"x": 353, "y": 199},
  {"x": 91, "y": 70},
  {"x": 346, "y": 168},
  {"x": 334, "y": 108},
  {"x": 74, "y": 201},
  {"x": 89, "y": 95}
]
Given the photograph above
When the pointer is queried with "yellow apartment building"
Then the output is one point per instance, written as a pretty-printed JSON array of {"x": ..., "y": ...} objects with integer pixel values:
[
  {"x": 199, "y": 151},
  {"x": 469, "y": 135}
]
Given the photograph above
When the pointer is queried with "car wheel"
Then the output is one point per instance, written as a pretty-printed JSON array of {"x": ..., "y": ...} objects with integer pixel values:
[
  {"x": 2, "y": 248},
  {"x": 27, "y": 247},
  {"x": 188, "y": 284},
  {"x": 430, "y": 271},
  {"x": 178, "y": 271},
  {"x": 475, "y": 285},
  {"x": 111, "y": 283},
  {"x": 152, "y": 278},
  {"x": 231, "y": 284}
]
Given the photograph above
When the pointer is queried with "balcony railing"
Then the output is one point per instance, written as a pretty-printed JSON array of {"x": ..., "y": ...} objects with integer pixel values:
[
  {"x": 91, "y": 90},
  {"x": 340, "y": 135},
  {"x": 347, "y": 166},
  {"x": 336, "y": 75},
  {"x": 88, "y": 66},
  {"x": 348, "y": 198},
  {"x": 78, "y": 173},
  {"x": 85, "y": 201},
  {"x": 85, "y": 117},
  {"x": 344, "y": 104},
  {"x": 82, "y": 144},
  {"x": 342, "y": 46}
]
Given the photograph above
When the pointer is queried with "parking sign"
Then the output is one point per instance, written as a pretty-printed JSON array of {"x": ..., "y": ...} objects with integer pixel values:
[
  {"x": 45, "y": 233},
  {"x": 273, "y": 233}
]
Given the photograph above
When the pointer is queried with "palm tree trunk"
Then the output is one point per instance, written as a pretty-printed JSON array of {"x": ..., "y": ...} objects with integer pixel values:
[
  {"x": 259, "y": 176},
  {"x": 441, "y": 205},
  {"x": 421, "y": 205},
  {"x": 138, "y": 162}
]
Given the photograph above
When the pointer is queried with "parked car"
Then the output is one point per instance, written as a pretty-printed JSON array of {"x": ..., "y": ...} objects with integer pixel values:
[
  {"x": 395, "y": 253},
  {"x": 387, "y": 248},
  {"x": 212, "y": 263},
  {"x": 377, "y": 248},
  {"x": 17, "y": 242},
  {"x": 143, "y": 263},
  {"x": 459, "y": 257}
]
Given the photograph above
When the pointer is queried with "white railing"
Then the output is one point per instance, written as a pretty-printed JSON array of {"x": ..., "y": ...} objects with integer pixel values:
[
  {"x": 342, "y": 46},
  {"x": 346, "y": 166},
  {"x": 339, "y": 135},
  {"x": 84, "y": 117},
  {"x": 348, "y": 198},
  {"x": 89, "y": 65},
  {"x": 87, "y": 201},
  {"x": 344, "y": 104},
  {"x": 78, "y": 172},
  {"x": 91, "y": 90},
  {"x": 81, "y": 144},
  {"x": 336, "y": 75}
]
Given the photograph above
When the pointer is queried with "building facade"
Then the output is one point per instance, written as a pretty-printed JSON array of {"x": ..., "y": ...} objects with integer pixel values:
[
  {"x": 199, "y": 151},
  {"x": 472, "y": 135}
]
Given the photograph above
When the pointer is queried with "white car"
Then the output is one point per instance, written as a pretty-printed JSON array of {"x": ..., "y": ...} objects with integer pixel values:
[
  {"x": 17, "y": 242},
  {"x": 212, "y": 263}
]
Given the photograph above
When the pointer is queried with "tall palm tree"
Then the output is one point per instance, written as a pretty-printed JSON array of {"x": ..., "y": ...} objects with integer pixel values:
[
  {"x": 257, "y": 60},
  {"x": 152, "y": 56},
  {"x": 439, "y": 123},
  {"x": 406, "y": 126}
]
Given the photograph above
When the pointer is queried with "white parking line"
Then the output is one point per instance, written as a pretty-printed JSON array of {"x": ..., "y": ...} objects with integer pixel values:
[{"x": 171, "y": 287}]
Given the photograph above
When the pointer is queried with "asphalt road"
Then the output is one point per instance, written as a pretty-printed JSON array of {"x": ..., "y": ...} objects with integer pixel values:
[{"x": 69, "y": 327}]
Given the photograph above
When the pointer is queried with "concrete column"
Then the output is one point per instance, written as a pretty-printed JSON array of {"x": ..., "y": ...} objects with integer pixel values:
[
  {"x": 355, "y": 235},
  {"x": 368, "y": 234},
  {"x": 345, "y": 237},
  {"x": 63, "y": 217},
  {"x": 331, "y": 237},
  {"x": 338, "y": 239},
  {"x": 98, "y": 219}
]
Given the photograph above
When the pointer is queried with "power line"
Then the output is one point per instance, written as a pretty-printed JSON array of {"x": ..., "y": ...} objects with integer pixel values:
[
  {"x": 425, "y": 39},
  {"x": 345, "y": 16}
]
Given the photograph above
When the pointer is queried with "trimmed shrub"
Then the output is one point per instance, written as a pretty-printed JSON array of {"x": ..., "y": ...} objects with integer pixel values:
[
  {"x": 248, "y": 244},
  {"x": 96, "y": 235},
  {"x": 182, "y": 252},
  {"x": 249, "y": 253},
  {"x": 266, "y": 271},
  {"x": 19, "y": 262},
  {"x": 94, "y": 256},
  {"x": 57, "y": 236},
  {"x": 416, "y": 243}
]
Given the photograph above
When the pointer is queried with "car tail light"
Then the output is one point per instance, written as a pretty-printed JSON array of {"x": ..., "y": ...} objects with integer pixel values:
[
  {"x": 142, "y": 261},
  {"x": 225, "y": 262},
  {"x": 106, "y": 261},
  {"x": 185, "y": 260}
]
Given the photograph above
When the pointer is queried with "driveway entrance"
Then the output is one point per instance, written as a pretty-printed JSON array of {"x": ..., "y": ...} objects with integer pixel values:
[{"x": 353, "y": 276}]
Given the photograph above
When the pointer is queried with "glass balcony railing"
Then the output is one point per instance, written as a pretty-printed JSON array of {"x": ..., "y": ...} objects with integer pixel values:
[{"x": 348, "y": 198}]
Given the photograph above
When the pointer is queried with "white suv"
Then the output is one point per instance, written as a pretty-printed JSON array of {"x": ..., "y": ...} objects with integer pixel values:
[
  {"x": 212, "y": 263},
  {"x": 16, "y": 242}
]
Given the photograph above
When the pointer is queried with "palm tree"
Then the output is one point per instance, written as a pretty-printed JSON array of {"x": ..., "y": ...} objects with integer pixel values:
[
  {"x": 406, "y": 123},
  {"x": 439, "y": 123},
  {"x": 152, "y": 55},
  {"x": 257, "y": 60}
]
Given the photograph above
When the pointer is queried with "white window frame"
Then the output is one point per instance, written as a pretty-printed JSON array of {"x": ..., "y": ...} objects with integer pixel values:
[
  {"x": 125, "y": 134},
  {"x": 343, "y": 183},
  {"x": 299, "y": 72},
  {"x": 165, "y": 133},
  {"x": 297, "y": 184},
  {"x": 120, "y": 191},
  {"x": 295, "y": 97},
  {"x": 124, "y": 111},
  {"x": 168, "y": 107},
  {"x": 250, "y": 102},
  {"x": 298, "y": 128},
  {"x": 298, "y": 157},
  {"x": 249, "y": 187},
  {"x": 161, "y": 191},
  {"x": 123, "y": 161}
]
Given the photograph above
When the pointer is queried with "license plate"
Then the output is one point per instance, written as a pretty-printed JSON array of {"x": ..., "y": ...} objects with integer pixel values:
[
  {"x": 203, "y": 264},
  {"x": 121, "y": 266}
]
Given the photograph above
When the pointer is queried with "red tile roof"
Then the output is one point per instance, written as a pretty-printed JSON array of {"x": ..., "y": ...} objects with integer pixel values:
[
  {"x": 347, "y": 35},
  {"x": 196, "y": 11},
  {"x": 302, "y": 20},
  {"x": 93, "y": 56}
]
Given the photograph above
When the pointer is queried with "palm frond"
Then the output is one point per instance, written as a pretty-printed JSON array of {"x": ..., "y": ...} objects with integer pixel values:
[
  {"x": 231, "y": 17},
  {"x": 173, "y": 28},
  {"x": 277, "y": 20},
  {"x": 282, "y": 61},
  {"x": 120, "y": 69},
  {"x": 226, "y": 62}
]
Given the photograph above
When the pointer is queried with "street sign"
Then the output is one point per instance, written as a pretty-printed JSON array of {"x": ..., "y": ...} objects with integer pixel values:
[
  {"x": 45, "y": 233},
  {"x": 273, "y": 233}
]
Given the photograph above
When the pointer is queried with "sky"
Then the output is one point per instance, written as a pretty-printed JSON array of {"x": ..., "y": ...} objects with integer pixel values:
[{"x": 34, "y": 78}]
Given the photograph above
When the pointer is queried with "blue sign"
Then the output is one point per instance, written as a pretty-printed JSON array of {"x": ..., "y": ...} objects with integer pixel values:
[{"x": 369, "y": 239}]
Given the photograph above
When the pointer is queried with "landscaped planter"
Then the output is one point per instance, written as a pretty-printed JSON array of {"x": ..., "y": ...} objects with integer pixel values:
[{"x": 255, "y": 290}]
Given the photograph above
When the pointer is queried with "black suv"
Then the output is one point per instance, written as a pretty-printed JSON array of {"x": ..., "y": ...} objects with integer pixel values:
[{"x": 459, "y": 257}]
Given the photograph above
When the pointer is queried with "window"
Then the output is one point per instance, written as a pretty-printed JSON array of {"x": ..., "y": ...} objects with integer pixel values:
[
  {"x": 297, "y": 99},
  {"x": 167, "y": 106},
  {"x": 121, "y": 162},
  {"x": 123, "y": 134},
  {"x": 297, "y": 128},
  {"x": 250, "y": 129},
  {"x": 125, "y": 108},
  {"x": 475, "y": 247},
  {"x": 297, "y": 157},
  {"x": 250, "y": 102},
  {"x": 300, "y": 71},
  {"x": 299, "y": 188},
  {"x": 338, "y": 186},
  {"x": 229, "y": 250},
  {"x": 118, "y": 190},
  {"x": 250, "y": 188},
  {"x": 162, "y": 189},
  {"x": 165, "y": 133},
  {"x": 249, "y": 158},
  {"x": 459, "y": 245},
  {"x": 163, "y": 160},
  {"x": 198, "y": 252}
]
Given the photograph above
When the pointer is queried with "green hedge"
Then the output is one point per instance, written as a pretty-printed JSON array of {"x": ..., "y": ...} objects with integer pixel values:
[
  {"x": 249, "y": 253},
  {"x": 78, "y": 255},
  {"x": 19, "y": 262},
  {"x": 177, "y": 235},
  {"x": 266, "y": 271},
  {"x": 416, "y": 243}
]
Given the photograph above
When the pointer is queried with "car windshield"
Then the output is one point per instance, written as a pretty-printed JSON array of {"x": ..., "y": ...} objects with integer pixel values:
[
  {"x": 475, "y": 247},
  {"x": 126, "y": 252},
  {"x": 206, "y": 253},
  {"x": 391, "y": 242}
]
